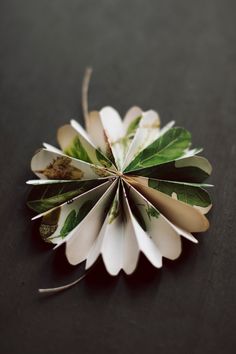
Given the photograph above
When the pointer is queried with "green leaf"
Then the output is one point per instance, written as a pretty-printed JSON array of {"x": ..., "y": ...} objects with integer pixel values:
[
  {"x": 114, "y": 211},
  {"x": 45, "y": 197},
  {"x": 166, "y": 148},
  {"x": 133, "y": 126},
  {"x": 83, "y": 211},
  {"x": 195, "y": 169},
  {"x": 43, "y": 205},
  {"x": 102, "y": 159},
  {"x": 69, "y": 224},
  {"x": 124, "y": 142},
  {"x": 77, "y": 150},
  {"x": 73, "y": 219},
  {"x": 186, "y": 193},
  {"x": 152, "y": 212}
]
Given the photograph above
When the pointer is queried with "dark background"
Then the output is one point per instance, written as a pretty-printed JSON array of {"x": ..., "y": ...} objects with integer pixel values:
[{"x": 178, "y": 57}]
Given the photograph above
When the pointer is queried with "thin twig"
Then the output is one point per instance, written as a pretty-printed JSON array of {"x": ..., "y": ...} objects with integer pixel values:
[
  {"x": 85, "y": 87},
  {"x": 62, "y": 288}
]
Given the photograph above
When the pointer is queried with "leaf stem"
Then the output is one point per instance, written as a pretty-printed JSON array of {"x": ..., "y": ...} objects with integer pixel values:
[{"x": 85, "y": 87}]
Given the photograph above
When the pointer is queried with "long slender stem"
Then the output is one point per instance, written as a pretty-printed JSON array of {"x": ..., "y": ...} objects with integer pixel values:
[
  {"x": 62, "y": 288},
  {"x": 85, "y": 87}
]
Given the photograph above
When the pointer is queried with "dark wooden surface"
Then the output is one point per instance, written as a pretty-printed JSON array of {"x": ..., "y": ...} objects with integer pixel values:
[{"x": 178, "y": 57}]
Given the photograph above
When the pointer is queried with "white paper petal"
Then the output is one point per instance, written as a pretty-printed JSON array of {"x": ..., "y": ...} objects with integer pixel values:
[
  {"x": 114, "y": 130},
  {"x": 182, "y": 232},
  {"x": 75, "y": 205},
  {"x": 166, "y": 127},
  {"x": 166, "y": 238},
  {"x": 81, "y": 131},
  {"x": 110, "y": 244},
  {"x": 131, "y": 114},
  {"x": 195, "y": 161},
  {"x": 179, "y": 213},
  {"x": 68, "y": 137},
  {"x": 146, "y": 133},
  {"x": 130, "y": 249},
  {"x": 95, "y": 249},
  {"x": 92, "y": 193},
  {"x": 110, "y": 240},
  {"x": 113, "y": 246},
  {"x": 52, "y": 148},
  {"x": 145, "y": 244},
  {"x": 37, "y": 182},
  {"x": 160, "y": 230},
  {"x": 203, "y": 209},
  {"x": 83, "y": 170},
  {"x": 190, "y": 153},
  {"x": 96, "y": 131},
  {"x": 117, "y": 244},
  {"x": 177, "y": 229},
  {"x": 81, "y": 239}
]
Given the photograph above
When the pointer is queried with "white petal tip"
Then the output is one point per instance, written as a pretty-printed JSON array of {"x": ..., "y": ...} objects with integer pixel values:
[
  {"x": 113, "y": 273},
  {"x": 194, "y": 240},
  {"x": 35, "y": 217},
  {"x": 73, "y": 121}
]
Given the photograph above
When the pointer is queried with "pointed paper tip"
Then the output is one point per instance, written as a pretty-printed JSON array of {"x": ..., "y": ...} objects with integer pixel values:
[
  {"x": 30, "y": 181},
  {"x": 73, "y": 121},
  {"x": 59, "y": 244},
  {"x": 35, "y": 217}
]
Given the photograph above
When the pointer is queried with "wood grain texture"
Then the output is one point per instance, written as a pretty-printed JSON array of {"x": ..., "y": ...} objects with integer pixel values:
[{"x": 178, "y": 57}]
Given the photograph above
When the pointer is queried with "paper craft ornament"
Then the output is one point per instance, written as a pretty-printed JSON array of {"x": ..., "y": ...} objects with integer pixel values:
[{"x": 119, "y": 188}]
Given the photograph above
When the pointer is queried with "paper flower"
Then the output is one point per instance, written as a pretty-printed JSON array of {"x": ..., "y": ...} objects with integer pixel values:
[{"x": 119, "y": 188}]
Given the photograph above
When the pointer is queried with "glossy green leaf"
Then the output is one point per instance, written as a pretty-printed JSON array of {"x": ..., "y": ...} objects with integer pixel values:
[
  {"x": 45, "y": 197},
  {"x": 77, "y": 150},
  {"x": 166, "y": 148},
  {"x": 133, "y": 126},
  {"x": 114, "y": 211},
  {"x": 194, "y": 170},
  {"x": 102, "y": 159},
  {"x": 43, "y": 205},
  {"x": 84, "y": 210},
  {"x": 190, "y": 194},
  {"x": 73, "y": 219},
  {"x": 69, "y": 224}
]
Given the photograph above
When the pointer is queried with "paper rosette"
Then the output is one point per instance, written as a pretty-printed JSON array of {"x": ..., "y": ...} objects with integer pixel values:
[{"x": 119, "y": 188}]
